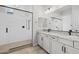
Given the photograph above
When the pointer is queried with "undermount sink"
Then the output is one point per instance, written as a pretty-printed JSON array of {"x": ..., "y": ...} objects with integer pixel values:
[{"x": 47, "y": 30}]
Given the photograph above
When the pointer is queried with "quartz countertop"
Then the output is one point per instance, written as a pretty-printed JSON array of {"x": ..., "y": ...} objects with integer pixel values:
[{"x": 68, "y": 37}]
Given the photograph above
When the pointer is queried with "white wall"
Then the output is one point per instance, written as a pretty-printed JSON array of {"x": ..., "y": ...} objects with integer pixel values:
[
  {"x": 75, "y": 18},
  {"x": 66, "y": 16},
  {"x": 37, "y": 12}
]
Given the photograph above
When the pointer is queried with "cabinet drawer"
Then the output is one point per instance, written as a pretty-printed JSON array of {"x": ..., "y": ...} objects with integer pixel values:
[
  {"x": 67, "y": 42},
  {"x": 40, "y": 40},
  {"x": 71, "y": 50},
  {"x": 76, "y": 44},
  {"x": 54, "y": 38}
]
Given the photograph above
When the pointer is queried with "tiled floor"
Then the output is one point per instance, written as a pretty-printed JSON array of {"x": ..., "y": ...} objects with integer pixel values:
[{"x": 30, "y": 50}]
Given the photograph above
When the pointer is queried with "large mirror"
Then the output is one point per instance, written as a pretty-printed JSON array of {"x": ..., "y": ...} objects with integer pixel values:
[{"x": 64, "y": 19}]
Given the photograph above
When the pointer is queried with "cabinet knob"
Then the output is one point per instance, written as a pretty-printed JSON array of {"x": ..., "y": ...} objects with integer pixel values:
[{"x": 53, "y": 38}]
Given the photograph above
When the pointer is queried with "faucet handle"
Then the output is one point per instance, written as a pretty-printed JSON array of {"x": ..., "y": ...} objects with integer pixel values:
[{"x": 76, "y": 30}]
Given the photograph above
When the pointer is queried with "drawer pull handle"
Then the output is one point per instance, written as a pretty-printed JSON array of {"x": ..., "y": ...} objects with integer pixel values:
[{"x": 62, "y": 48}]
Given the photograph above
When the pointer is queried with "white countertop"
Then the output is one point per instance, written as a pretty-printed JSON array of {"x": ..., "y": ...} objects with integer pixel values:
[{"x": 68, "y": 37}]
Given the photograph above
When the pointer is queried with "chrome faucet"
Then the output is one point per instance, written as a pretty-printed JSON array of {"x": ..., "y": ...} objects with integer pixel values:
[{"x": 70, "y": 31}]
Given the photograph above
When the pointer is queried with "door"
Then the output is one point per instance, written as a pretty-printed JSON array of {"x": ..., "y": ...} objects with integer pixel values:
[{"x": 19, "y": 26}]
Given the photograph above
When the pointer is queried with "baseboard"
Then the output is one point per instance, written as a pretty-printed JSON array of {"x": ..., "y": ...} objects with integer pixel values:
[
  {"x": 43, "y": 49},
  {"x": 7, "y": 47},
  {"x": 19, "y": 48}
]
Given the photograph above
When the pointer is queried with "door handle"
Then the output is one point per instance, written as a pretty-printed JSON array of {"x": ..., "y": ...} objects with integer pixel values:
[
  {"x": 28, "y": 24},
  {"x": 23, "y": 26},
  {"x": 6, "y": 30}
]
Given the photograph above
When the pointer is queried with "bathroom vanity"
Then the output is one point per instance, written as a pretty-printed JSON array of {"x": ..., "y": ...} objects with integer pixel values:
[{"x": 58, "y": 43}]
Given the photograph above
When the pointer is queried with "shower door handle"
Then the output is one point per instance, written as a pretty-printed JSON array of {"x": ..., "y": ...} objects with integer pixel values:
[
  {"x": 6, "y": 30},
  {"x": 28, "y": 25}
]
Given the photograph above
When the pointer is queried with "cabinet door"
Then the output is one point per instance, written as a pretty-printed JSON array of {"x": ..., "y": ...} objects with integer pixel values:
[
  {"x": 71, "y": 50},
  {"x": 57, "y": 48},
  {"x": 46, "y": 43},
  {"x": 40, "y": 40}
]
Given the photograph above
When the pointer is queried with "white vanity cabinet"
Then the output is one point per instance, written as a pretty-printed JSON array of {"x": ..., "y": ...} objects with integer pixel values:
[
  {"x": 56, "y": 45},
  {"x": 60, "y": 48},
  {"x": 63, "y": 48},
  {"x": 70, "y": 50},
  {"x": 44, "y": 41},
  {"x": 40, "y": 39}
]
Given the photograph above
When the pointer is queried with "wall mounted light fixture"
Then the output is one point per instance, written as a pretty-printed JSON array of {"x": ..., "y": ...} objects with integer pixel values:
[{"x": 9, "y": 11}]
